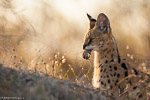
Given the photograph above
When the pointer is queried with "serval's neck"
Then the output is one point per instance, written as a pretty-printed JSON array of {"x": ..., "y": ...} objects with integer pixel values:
[
  {"x": 103, "y": 57},
  {"x": 108, "y": 54}
]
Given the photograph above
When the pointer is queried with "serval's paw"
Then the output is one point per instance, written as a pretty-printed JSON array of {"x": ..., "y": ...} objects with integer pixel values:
[{"x": 86, "y": 54}]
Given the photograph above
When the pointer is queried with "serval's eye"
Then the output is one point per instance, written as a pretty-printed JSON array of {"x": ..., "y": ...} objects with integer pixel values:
[{"x": 90, "y": 40}]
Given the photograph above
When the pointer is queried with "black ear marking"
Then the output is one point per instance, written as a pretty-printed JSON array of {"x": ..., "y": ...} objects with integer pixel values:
[
  {"x": 91, "y": 18},
  {"x": 92, "y": 21}
]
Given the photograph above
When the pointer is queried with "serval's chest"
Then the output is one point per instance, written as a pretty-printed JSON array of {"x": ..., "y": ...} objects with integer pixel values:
[{"x": 109, "y": 70}]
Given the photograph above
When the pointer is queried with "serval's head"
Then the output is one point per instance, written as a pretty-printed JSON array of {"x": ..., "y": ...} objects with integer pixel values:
[{"x": 98, "y": 35}]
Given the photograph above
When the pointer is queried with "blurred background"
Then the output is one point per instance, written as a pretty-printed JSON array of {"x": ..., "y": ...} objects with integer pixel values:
[{"x": 37, "y": 33}]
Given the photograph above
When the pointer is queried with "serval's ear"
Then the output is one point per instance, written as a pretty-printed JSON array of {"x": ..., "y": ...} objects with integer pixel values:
[
  {"x": 92, "y": 21},
  {"x": 103, "y": 23}
]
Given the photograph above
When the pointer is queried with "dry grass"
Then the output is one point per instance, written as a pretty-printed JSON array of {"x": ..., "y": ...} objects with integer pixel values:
[
  {"x": 46, "y": 80},
  {"x": 34, "y": 86}
]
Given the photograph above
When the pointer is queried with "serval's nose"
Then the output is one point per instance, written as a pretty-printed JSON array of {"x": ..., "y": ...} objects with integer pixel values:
[{"x": 84, "y": 46}]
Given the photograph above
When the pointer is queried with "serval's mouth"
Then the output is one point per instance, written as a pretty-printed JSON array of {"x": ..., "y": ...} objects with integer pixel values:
[{"x": 86, "y": 53}]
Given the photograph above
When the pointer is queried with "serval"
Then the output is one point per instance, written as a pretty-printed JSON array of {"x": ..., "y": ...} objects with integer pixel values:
[{"x": 111, "y": 72}]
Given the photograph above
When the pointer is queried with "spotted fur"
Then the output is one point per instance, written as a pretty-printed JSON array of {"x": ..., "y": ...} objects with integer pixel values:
[{"x": 109, "y": 67}]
